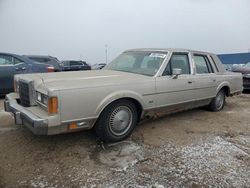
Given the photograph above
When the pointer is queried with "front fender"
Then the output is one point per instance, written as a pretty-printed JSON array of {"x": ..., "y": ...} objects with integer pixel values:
[{"x": 119, "y": 95}]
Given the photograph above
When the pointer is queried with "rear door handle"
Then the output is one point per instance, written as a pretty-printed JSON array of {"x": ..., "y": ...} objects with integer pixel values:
[
  {"x": 190, "y": 82},
  {"x": 17, "y": 69},
  {"x": 23, "y": 68}
]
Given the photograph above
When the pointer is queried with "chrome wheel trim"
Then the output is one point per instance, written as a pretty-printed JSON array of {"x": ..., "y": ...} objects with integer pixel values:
[
  {"x": 120, "y": 120},
  {"x": 219, "y": 100}
]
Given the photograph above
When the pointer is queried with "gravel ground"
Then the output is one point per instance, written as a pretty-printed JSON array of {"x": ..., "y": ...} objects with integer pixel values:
[{"x": 195, "y": 148}]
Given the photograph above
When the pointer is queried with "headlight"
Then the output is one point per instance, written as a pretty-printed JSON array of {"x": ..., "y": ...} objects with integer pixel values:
[
  {"x": 43, "y": 99},
  {"x": 51, "y": 103}
]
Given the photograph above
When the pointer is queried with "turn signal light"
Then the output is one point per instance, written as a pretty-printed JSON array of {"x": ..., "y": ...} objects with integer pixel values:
[
  {"x": 73, "y": 126},
  {"x": 52, "y": 105}
]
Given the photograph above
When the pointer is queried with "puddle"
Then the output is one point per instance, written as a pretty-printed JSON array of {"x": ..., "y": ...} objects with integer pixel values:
[{"x": 120, "y": 156}]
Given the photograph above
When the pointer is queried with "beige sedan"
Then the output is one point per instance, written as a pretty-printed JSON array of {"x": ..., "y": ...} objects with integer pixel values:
[{"x": 114, "y": 99}]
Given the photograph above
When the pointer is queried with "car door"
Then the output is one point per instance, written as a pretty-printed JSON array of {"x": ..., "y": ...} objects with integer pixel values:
[
  {"x": 75, "y": 66},
  {"x": 170, "y": 90},
  {"x": 205, "y": 77},
  {"x": 9, "y": 66}
]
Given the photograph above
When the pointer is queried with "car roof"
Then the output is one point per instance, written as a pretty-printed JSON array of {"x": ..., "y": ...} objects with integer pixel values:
[
  {"x": 39, "y": 56},
  {"x": 23, "y": 58},
  {"x": 165, "y": 50}
]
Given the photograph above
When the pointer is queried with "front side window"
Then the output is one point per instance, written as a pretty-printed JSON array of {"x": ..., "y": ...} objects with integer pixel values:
[
  {"x": 202, "y": 64},
  {"x": 179, "y": 61},
  {"x": 145, "y": 63}
]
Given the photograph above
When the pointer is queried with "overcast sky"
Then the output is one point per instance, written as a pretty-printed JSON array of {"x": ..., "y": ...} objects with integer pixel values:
[{"x": 73, "y": 29}]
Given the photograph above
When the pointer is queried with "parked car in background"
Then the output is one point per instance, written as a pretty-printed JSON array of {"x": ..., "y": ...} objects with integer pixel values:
[
  {"x": 71, "y": 65},
  {"x": 114, "y": 99},
  {"x": 53, "y": 61},
  {"x": 11, "y": 64},
  {"x": 228, "y": 67},
  {"x": 245, "y": 70},
  {"x": 98, "y": 66}
]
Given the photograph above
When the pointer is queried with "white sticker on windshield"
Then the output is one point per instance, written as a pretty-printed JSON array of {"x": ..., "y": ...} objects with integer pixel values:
[{"x": 157, "y": 55}]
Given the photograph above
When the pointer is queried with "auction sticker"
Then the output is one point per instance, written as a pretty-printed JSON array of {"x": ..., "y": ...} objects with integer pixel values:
[{"x": 157, "y": 55}]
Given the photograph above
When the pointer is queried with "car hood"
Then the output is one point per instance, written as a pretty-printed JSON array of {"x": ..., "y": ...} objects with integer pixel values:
[
  {"x": 243, "y": 70},
  {"x": 82, "y": 79}
]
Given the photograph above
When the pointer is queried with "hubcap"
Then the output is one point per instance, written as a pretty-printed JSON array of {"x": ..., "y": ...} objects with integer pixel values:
[
  {"x": 120, "y": 120},
  {"x": 219, "y": 100}
]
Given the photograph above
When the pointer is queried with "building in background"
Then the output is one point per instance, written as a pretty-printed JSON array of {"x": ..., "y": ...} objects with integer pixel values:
[{"x": 237, "y": 58}]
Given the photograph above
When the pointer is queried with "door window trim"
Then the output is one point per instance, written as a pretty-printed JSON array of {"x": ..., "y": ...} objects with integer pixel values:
[
  {"x": 179, "y": 53},
  {"x": 207, "y": 63},
  {"x": 214, "y": 63}
]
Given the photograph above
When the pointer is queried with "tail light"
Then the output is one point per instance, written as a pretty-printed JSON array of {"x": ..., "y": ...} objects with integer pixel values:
[
  {"x": 51, "y": 69},
  {"x": 52, "y": 105}
]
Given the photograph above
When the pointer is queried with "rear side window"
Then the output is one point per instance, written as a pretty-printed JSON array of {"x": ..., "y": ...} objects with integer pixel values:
[
  {"x": 202, "y": 64},
  {"x": 4, "y": 61},
  {"x": 65, "y": 63},
  {"x": 75, "y": 63},
  {"x": 179, "y": 61},
  {"x": 8, "y": 60},
  {"x": 40, "y": 59}
]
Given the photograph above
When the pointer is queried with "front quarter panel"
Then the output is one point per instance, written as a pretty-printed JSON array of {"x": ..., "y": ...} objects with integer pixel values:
[{"x": 88, "y": 103}]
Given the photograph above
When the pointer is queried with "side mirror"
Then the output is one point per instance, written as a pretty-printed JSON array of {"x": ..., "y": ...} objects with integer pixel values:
[{"x": 176, "y": 73}]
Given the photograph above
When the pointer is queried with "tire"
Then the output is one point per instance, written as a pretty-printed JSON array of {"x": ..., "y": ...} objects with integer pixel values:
[
  {"x": 218, "y": 102},
  {"x": 117, "y": 121}
]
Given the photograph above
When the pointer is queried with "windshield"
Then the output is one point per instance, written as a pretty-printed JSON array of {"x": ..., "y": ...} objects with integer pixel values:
[
  {"x": 145, "y": 63},
  {"x": 247, "y": 65}
]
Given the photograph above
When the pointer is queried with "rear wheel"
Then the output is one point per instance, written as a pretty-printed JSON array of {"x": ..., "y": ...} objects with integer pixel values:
[
  {"x": 117, "y": 121},
  {"x": 218, "y": 102}
]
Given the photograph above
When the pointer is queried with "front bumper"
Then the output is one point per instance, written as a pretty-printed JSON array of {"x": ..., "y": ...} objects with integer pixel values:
[{"x": 24, "y": 117}]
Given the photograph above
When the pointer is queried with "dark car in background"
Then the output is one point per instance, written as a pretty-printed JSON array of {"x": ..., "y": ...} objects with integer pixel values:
[
  {"x": 56, "y": 65},
  {"x": 11, "y": 64},
  {"x": 245, "y": 70},
  {"x": 72, "y": 65},
  {"x": 98, "y": 66}
]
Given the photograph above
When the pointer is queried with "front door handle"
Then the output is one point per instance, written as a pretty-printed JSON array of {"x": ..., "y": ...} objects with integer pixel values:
[
  {"x": 17, "y": 69},
  {"x": 190, "y": 82},
  {"x": 23, "y": 68}
]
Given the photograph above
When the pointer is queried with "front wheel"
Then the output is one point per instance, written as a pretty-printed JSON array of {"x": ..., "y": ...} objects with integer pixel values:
[
  {"x": 218, "y": 102},
  {"x": 117, "y": 121}
]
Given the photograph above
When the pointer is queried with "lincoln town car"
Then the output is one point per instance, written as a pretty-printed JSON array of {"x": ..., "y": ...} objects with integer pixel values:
[{"x": 113, "y": 100}]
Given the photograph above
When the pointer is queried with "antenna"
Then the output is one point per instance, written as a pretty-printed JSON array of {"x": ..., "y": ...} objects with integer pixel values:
[{"x": 106, "y": 53}]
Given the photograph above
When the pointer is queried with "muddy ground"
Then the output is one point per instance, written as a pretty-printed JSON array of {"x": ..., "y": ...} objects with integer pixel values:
[{"x": 195, "y": 148}]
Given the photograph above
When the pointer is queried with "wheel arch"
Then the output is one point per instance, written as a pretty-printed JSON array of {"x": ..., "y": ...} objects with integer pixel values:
[
  {"x": 226, "y": 87},
  {"x": 125, "y": 95}
]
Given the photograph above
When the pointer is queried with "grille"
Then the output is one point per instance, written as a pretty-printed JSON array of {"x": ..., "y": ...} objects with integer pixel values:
[
  {"x": 24, "y": 94},
  {"x": 246, "y": 80}
]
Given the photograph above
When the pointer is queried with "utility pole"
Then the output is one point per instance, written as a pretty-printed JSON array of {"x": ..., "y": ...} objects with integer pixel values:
[{"x": 106, "y": 53}]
